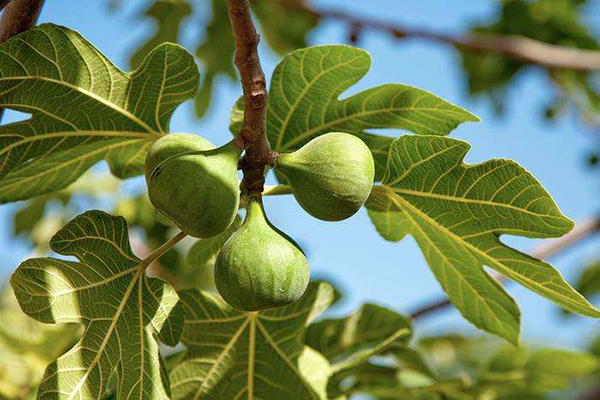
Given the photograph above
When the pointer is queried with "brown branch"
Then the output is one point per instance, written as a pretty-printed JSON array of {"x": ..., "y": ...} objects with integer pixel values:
[
  {"x": 17, "y": 17},
  {"x": 3, "y": 4},
  {"x": 253, "y": 136},
  {"x": 518, "y": 47},
  {"x": 580, "y": 232}
]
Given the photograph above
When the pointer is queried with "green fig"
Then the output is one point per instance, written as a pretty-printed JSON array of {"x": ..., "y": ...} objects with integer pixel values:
[
  {"x": 260, "y": 267},
  {"x": 331, "y": 176},
  {"x": 193, "y": 183}
]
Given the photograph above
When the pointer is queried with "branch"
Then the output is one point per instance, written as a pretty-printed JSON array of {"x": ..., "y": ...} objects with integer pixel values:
[
  {"x": 17, "y": 17},
  {"x": 253, "y": 136},
  {"x": 581, "y": 231},
  {"x": 3, "y": 4},
  {"x": 517, "y": 47}
]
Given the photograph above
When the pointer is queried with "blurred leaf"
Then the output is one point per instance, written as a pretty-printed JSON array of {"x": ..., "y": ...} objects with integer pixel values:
[
  {"x": 206, "y": 249},
  {"x": 558, "y": 22},
  {"x": 27, "y": 346},
  {"x": 283, "y": 25},
  {"x": 108, "y": 292},
  {"x": 350, "y": 341},
  {"x": 216, "y": 53},
  {"x": 456, "y": 212},
  {"x": 552, "y": 369},
  {"x": 28, "y": 216},
  {"x": 169, "y": 16},
  {"x": 513, "y": 370},
  {"x": 324, "y": 73},
  {"x": 231, "y": 353},
  {"x": 588, "y": 283},
  {"x": 47, "y": 69}
]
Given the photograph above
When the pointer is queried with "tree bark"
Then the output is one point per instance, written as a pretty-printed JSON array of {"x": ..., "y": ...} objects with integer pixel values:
[{"x": 253, "y": 136}]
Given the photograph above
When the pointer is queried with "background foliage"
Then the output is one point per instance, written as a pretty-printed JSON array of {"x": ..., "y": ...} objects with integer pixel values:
[{"x": 441, "y": 366}]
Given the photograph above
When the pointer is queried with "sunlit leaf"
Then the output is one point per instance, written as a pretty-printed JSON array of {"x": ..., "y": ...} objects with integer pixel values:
[
  {"x": 233, "y": 354},
  {"x": 83, "y": 108},
  {"x": 457, "y": 212},
  {"x": 108, "y": 293},
  {"x": 304, "y": 103}
]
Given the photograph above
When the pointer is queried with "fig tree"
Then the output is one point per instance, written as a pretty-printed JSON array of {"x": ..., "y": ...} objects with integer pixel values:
[
  {"x": 331, "y": 176},
  {"x": 260, "y": 267},
  {"x": 193, "y": 183}
]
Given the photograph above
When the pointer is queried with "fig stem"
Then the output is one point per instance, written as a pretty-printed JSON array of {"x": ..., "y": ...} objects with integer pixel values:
[
  {"x": 277, "y": 190},
  {"x": 258, "y": 156},
  {"x": 156, "y": 254}
]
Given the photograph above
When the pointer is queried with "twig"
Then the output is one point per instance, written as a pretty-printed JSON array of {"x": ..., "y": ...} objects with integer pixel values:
[
  {"x": 17, "y": 17},
  {"x": 254, "y": 128},
  {"x": 277, "y": 190},
  {"x": 517, "y": 47},
  {"x": 3, "y": 4},
  {"x": 155, "y": 269},
  {"x": 580, "y": 232},
  {"x": 156, "y": 254}
]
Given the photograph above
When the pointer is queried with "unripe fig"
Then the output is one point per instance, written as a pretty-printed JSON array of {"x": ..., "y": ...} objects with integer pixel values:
[
  {"x": 260, "y": 267},
  {"x": 193, "y": 183},
  {"x": 331, "y": 176}
]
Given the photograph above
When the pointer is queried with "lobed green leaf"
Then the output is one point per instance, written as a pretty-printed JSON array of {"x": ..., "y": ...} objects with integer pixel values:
[
  {"x": 233, "y": 354},
  {"x": 83, "y": 108},
  {"x": 304, "y": 103},
  {"x": 457, "y": 212},
  {"x": 108, "y": 293}
]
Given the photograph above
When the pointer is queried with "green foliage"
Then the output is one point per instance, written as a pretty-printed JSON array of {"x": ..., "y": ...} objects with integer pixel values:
[
  {"x": 349, "y": 342},
  {"x": 324, "y": 73},
  {"x": 169, "y": 16},
  {"x": 455, "y": 367},
  {"x": 108, "y": 292},
  {"x": 457, "y": 212},
  {"x": 556, "y": 22},
  {"x": 48, "y": 70},
  {"x": 84, "y": 109},
  {"x": 27, "y": 347},
  {"x": 256, "y": 355}
]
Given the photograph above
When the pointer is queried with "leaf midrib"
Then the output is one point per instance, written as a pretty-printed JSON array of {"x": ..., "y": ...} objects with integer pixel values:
[
  {"x": 469, "y": 201},
  {"x": 62, "y": 165},
  {"x": 88, "y": 93},
  {"x": 74, "y": 133},
  {"x": 449, "y": 263},
  {"x": 361, "y": 114},
  {"x": 111, "y": 328},
  {"x": 493, "y": 262},
  {"x": 305, "y": 90}
]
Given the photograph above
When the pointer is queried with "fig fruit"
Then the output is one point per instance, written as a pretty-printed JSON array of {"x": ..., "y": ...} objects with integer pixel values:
[
  {"x": 194, "y": 184},
  {"x": 260, "y": 267},
  {"x": 331, "y": 176}
]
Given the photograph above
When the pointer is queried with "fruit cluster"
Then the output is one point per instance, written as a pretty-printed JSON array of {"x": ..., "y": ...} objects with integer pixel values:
[{"x": 195, "y": 185}]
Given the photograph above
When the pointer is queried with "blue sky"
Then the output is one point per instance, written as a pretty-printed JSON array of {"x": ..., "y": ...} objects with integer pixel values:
[{"x": 350, "y": 252}]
